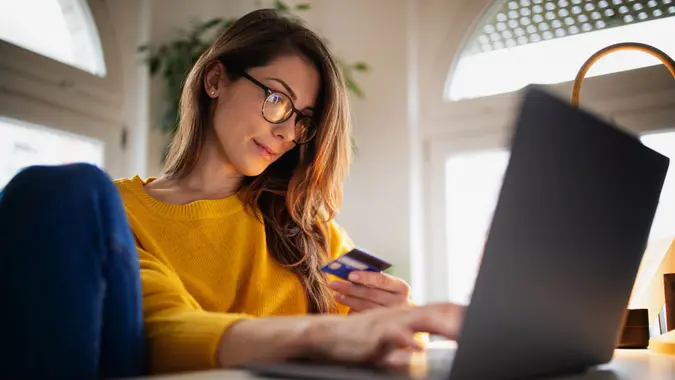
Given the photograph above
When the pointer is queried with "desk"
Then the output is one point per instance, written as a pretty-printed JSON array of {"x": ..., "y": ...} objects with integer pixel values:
[{"x": 626, "y": 365}]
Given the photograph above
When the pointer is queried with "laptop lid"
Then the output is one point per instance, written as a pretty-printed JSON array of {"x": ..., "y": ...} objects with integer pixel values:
[{"x": 565, "y": 243}]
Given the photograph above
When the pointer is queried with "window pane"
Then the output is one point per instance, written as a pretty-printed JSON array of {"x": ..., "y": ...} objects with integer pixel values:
[
  {"x": 23, "y": 144},
  {"x": 473, "y": 182},
  {"x": 547, "y": 42},
  {"x": 664, "y": 220},
  {"x": 63, "y": 30},
  {"x": 663, "y": 227}
]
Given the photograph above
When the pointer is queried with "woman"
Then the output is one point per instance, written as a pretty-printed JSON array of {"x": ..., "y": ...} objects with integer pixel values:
[
  {"x": 230, "y": 239},
  {"x": 241, "y": 221},
  {"x": 72, "y": 295}
]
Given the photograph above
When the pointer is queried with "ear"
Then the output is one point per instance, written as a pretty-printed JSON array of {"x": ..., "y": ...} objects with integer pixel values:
[{"x": 213, "y": 80}]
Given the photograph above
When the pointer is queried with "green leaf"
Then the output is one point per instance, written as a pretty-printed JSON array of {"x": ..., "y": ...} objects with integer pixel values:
[
  {"x": 155, "y": 65},
  {"x": 281, "y": 6},
  {"x": 212, "y": 22},
  {"x": 361, "y": 66},
  {"x": 302, "y": 6},
  {"x": 353, "y": 86}
]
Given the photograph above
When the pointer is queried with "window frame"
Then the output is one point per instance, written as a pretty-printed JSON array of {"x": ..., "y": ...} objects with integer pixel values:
[
  {"x": 32, "y": 75},
  {"x": 57, "y": 118},
  {"x": 40, "y": 90}
]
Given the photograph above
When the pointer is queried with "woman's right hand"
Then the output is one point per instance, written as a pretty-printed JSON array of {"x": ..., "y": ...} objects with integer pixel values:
[{"x": 376, "y": 336}]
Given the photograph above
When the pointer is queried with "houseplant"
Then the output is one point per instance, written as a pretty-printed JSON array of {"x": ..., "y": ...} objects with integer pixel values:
[{"x": 172, "y": 60}]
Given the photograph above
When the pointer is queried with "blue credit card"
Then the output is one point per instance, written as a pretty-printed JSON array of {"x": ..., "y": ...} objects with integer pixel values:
[{"x": 355, "y": 260}]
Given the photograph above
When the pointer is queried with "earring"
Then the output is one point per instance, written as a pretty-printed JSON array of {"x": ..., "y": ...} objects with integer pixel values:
[{"x": 213, "y": 92}]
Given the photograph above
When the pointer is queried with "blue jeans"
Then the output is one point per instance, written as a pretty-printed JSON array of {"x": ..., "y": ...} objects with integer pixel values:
[{"x": 69, "y": 275}]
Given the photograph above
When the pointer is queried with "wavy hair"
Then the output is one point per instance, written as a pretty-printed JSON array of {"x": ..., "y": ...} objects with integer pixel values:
[{"x": 300, "y": 193}]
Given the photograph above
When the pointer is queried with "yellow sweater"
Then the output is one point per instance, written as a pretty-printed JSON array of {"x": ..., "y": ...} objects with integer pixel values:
[{"x": 204, "y": 266}]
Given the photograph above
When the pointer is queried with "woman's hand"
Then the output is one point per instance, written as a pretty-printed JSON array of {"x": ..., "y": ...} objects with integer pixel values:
[
  {"x": 377, "y": 336},
  {"x": 370, "y": 290}
]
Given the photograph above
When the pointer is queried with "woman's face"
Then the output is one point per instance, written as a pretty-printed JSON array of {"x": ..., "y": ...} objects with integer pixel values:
[{"x": 248, "y": 141}]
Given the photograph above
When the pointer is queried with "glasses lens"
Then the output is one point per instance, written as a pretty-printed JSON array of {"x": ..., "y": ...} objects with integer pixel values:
[
  {"x": 304, "y": 130},
  {"x": 277, "y": 108}
]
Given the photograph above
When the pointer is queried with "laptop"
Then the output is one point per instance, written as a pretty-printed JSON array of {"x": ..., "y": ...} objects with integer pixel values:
[{"x": 566, "y": 240}]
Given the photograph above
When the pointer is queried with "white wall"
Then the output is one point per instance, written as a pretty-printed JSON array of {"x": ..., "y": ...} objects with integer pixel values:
[
  {"x": 376, "y": 209},
  {"x": 131, "y": 21}
]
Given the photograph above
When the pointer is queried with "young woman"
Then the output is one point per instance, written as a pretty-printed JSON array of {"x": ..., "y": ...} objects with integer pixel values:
[
  {"x": 230, "y": 239},
  {"x": 241, "y": 221}
]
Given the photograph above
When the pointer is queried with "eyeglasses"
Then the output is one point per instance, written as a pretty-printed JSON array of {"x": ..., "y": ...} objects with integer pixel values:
[{"x": 277, "y": 107}]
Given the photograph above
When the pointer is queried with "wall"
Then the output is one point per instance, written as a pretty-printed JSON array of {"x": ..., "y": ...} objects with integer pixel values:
[
  {"x": 131, "y": 21},
  {"x": 376, "y": 209}
]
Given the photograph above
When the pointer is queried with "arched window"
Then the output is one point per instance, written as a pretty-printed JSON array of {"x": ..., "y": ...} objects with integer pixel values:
[
  {"x": 519, "y": 42},
  {"x": 62, "y": 30}
]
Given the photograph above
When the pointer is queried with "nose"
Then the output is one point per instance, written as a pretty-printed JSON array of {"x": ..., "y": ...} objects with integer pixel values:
[{"x": 285, "y": 131}]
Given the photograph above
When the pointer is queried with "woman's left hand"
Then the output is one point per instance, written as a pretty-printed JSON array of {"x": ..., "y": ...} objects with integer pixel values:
[{"x": 369, "y": 290}]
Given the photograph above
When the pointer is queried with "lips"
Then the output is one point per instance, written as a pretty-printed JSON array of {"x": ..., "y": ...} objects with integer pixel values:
[{"x": 265, "y": 150}]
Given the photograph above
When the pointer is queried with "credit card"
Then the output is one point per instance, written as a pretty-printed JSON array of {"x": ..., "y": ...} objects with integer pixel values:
[{"x": 356, "y": 259}]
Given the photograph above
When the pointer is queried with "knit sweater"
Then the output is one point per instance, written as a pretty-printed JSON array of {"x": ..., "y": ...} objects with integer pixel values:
[{"x": 204, "y": 266}]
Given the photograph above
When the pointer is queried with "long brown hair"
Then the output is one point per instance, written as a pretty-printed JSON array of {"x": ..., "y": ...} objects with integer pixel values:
[{"x": 299, "y": 193}]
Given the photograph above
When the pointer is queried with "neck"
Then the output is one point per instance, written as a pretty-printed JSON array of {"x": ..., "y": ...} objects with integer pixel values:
[{"x": 213, "y": 175}]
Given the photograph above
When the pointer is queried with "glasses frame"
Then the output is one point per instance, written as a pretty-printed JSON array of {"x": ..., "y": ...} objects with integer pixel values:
[{"x": 299, "y": 115}]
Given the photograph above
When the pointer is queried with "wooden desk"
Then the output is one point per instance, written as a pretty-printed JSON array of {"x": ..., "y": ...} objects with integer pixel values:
[{"x": 626, "y": 365}]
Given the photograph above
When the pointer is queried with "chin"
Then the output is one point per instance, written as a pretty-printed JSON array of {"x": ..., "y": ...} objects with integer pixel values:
[{"x": 251, "y": 169}]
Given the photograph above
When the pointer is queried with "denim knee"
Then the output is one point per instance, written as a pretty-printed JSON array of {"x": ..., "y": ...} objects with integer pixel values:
[{"x": 74, "y": 181}]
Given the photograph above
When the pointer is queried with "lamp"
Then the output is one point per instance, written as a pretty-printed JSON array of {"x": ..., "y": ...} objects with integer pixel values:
[
  {"x": 665, "y": 343},
  {"x": 623, "y": 46}
]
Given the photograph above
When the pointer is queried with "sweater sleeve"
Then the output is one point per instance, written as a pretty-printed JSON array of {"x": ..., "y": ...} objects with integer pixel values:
[{"x": 181, "y": 335}]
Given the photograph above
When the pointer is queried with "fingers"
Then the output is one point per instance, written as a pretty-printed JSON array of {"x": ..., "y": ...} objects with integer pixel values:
[
  {"x": 374, "y": 295},
  {"x": 439, "y": 319},
  {"x": 381, "y": 281},
  {"x": 397, "y": 360},
  {"x": 356, "y": 304}
]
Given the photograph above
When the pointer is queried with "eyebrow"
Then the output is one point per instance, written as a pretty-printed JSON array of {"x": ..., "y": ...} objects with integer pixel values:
[
  {"x": 286, "y": 86},
  {"x": 290, "y": 91}
]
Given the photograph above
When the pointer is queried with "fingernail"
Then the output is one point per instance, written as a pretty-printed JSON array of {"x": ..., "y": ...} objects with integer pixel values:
[{"x": 353, "y": 276}]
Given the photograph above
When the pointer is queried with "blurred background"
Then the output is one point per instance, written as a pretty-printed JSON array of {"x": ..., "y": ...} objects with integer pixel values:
[{"x": 433, "y": 88}]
